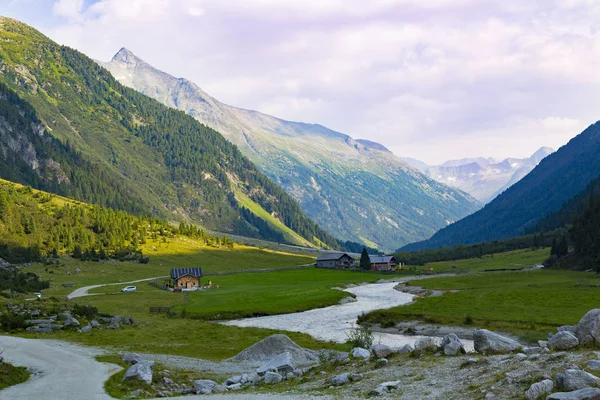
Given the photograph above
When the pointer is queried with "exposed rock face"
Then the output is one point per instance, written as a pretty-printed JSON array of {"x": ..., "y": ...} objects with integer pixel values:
[
  {"x": 563, "y": 340},
  {"x": 273, "y": 346},
  {"x": 588, "y": 329},
  {"x": 539, "y": 389},
  {"x": 487, "y": 342},
  {"x": 575, "y": 379}
]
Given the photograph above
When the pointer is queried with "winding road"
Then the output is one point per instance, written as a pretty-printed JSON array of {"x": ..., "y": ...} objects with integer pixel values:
[{"x": 83, "y": 291}]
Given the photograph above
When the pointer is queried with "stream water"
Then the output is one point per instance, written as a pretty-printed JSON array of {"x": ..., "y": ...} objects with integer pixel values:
[{"x": 334, "y": 323}]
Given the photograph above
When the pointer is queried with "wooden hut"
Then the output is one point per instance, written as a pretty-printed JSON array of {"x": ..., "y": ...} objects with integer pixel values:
[{"x": 186, "y": 278}]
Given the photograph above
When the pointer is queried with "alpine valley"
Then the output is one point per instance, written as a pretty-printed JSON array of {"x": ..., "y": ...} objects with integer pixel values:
[{"x": 355, "y": 189}]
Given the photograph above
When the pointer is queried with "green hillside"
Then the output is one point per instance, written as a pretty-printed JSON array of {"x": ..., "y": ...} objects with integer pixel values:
[
  {"x": 556, "y": 180},
  {"x": 69, "y": 127}
]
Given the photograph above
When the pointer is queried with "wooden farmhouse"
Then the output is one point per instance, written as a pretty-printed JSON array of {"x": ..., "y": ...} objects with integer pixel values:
[
  {"x": 186, "y": 278},
  {"x": 383, "y": 263},
  {"x": 334, "y": 260}
]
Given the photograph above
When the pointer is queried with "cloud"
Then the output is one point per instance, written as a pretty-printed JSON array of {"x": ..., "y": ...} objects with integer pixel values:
[{"x": 436, "y": 78}]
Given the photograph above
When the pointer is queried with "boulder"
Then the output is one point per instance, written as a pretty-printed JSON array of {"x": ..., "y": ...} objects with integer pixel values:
[
  {"x": 95, "y": 324},
  {"x": 382, "y": 361},
  {"x": 274, "y": 345},
  {"x": 563, "y": 340},
  {"x": 425, "y": 344},
  {"x": 582, "y": 394},
  {"x": 454, "y": 349},
  {"x": 272, "y": 377},
  {"x": 71, "y": 322},
  {"x": 588, "y": 328},
  {"x": 381, "y": 350},
  {"x": 339, "y": 380},
  {"x": 63, "y": 316},
  {"x": 44, "y": 328},
  {"x": 539, "y": 389},
  {"x": 204, "y": 386},
  {"x": 236, "y": 386},
  {"x": 575, "y": 379},
  {"x": 114, "y": 325},
  {"x": 233, "y": 381},
  {"x": 567, "y": 328},
  {"x": 489, "y": 342},
  {"x": 407, "y": 348},
  {"x": 543, "y": 343},
  {"x": 594, "y": 365},
  {"x": 385, "y": 387},
  {"x": 85, "y": 329},
  {"x": 141, "y": 371},
  {"x": 359, "y": 352},
  {"x": 356, "y": 377},
  {"x": 281, "y": 363},
  {"x": 532, "y": 350}
]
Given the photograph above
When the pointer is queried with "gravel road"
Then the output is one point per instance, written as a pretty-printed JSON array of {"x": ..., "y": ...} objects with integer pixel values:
[
  {"x": 83, "y": 291},
  {"x": 64, "y": 371}
]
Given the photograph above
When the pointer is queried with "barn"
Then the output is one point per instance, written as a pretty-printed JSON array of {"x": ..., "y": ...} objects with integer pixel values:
[
  {"x": 186, "y": 278},
  {"x": 334, "y": 260}
]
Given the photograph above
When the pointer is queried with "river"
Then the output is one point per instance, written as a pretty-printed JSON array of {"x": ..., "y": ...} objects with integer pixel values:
[{"x": 334, "y": 323}]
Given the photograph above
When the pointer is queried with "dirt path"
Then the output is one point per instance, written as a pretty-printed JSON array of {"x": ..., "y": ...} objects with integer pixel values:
[
  {"x": 64, "y": 371},
  {"x": 83, "y": 291}
]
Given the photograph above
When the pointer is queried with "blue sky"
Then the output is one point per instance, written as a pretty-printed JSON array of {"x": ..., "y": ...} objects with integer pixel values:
[{"x": 429, "y": 79}]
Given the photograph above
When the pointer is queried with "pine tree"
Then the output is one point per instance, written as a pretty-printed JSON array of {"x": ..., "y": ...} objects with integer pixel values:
[{"x": 365, "y": 260}]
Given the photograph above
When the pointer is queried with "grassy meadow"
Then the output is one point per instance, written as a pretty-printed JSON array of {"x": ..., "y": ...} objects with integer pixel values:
[
  {"x": 11, "y": 375},
  {"x": 527, "y": 303}
]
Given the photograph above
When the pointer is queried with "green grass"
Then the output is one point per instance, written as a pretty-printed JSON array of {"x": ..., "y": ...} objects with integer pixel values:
[
  {"x": 511, "y": 259},
  {"x": 527, "y": 303},
  {"x": 179, "y": 252},
  {"x": 11, "y": 375},
  {"x": 242, "y": 295}
]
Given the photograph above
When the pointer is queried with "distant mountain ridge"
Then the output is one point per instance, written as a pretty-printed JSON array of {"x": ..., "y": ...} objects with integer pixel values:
[
  {"x": 68, "y": 126},
  {"x": 355, "y": 189},
  {"x": 549, "y": 196},
  {"x": 483, "y": 178}
]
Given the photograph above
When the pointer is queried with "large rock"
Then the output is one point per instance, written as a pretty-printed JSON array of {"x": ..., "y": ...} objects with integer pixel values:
[
  {"x": 582, "y": 394},
  {"x": 575, "y": 379},
  {"x": 85, "y": 329},
  {"x": 425, "y": 344},
  {"x": 563, "y": 340},
  {"x": 141, "y": 371},
  {"x": 359, "y": 352},
  {"x": 588, "y": 328},
  {"x": 131, "y": 358},
  {"x": 407, "y": 348},
  {"x": 63, "y": 316},
  {"x": 204, "y": 386},
  {"x": 273, "y": 346},
  {"x": 339, "y": 380},
  {"x": 272, "y": 377},
  {"x": 539, "y": 389},
  {"x": 381, "y": 350},
  {"x": 452, "y": 345},
  {"x": 282, "y": 363},
  {"x": 487, "y": 342},
  {"x": 385, "y": 387},
  {"x": 567, "y": 328},
  {"x": 71, "y": 322}
]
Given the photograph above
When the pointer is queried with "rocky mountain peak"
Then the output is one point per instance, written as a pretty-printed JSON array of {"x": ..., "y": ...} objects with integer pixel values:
[{"x": 126, "y": 56}]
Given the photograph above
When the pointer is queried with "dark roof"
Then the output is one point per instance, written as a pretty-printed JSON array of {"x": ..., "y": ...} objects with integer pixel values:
[
  {"x": 381, "y": 259},
  {"x": 332, "y": 256},
  {"x": 177, "y": 273}
]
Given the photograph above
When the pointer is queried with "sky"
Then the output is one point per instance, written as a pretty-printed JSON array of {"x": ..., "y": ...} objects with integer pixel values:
[{"x": 429, "y": 79}]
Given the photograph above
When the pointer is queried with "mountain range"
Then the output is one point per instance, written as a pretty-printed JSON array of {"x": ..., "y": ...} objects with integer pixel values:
[
  {"x": 546, "y": 198},
  {"x": 483, "y": 178},
  {"x": 354, "y": 189},
  {"x": 67, "y": 126}
]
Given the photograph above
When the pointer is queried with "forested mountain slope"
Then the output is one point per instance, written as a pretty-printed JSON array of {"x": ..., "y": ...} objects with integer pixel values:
[
  {"x": 557, "y": 179},
  {"x": 355, "y": 189},
  {"x": 71, "y": 128}
]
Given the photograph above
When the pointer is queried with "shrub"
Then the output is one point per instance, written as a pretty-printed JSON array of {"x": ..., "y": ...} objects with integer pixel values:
[
  {"x": 361, "y": 336},
  {"x": 468, "y": 320},
  {"x": 10, "y": 321},
  {"x": 88, "y": 312}
]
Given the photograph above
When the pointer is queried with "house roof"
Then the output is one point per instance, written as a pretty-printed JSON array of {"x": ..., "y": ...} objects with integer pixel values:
[
  {"x": 381, "y": 259},
  {"x": 332, "y": 256},
  {"x": 177, "y": 273}
]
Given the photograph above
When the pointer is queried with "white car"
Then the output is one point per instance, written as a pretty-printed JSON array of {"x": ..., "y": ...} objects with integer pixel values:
[{"x": 128, "y": 289}]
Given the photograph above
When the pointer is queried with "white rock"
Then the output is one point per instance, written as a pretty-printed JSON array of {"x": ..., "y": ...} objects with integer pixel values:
[{"x": 539, "y": 389}]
